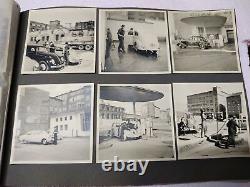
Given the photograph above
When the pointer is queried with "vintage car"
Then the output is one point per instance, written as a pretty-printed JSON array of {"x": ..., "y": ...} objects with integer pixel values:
[
  {"x": 46, "y": 61},
  {"x": 36, "y": 136},
  {"x": 125, "y": 130},
  {"x": 73, "y": 59},
  {"x": 194, "y": 41},
  {"x": 143, "y": 42}
]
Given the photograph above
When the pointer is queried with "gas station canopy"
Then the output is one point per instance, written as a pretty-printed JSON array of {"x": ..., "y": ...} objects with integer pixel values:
[
  {"x": 205, "y": 21},
  {"x": 129, "y": 94}
]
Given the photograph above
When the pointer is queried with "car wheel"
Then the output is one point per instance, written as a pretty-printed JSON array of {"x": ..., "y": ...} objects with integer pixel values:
[
  {"x": 43, "y": 66},
  {"x": 88, "y": 47},
  {"x": 80, "y": 47},
  {"x": 202, "y": 46},
  {"x": 44, "y": 141}
]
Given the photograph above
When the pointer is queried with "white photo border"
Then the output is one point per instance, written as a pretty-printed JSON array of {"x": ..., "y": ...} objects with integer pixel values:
[
  {"x": 169, "y": 86},
  {"x": 59, "y": 72},
  {"x": 90, "y": 160}
]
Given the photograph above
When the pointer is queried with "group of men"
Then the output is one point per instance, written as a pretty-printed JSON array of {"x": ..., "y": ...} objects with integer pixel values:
[
  {"x": 121, "y": 36},
  {"x": 231, "y": 124},
  {"x": 50, "y": 46}
]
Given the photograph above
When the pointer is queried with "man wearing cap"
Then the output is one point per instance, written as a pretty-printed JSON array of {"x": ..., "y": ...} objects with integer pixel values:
[
  {"x": 232, "y": 130},
  {"x": 121, "y": 33}
]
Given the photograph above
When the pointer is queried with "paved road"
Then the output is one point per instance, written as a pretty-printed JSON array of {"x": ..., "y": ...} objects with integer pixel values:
[
  {"x": 204, "y": 60},
  {"x": 135, "y": 62},
  {"x": 159, "y": 147},
  {"x": 192, "y": 146},
  {"x": 68, "y": 149}
]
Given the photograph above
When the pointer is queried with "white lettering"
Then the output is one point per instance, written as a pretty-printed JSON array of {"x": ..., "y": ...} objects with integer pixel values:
[
  {"x": 106, "y": 165},
  {"x": 121, "y": 165},
  {"x": 117, "y": 163},
  {"x": 131, "y": 165},
  {"x": 143, "y": 168}
]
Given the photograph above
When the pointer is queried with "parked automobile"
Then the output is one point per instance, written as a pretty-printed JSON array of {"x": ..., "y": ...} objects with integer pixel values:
[
  {"x": 143, "y": 42},
  {"x": 46, "y": 61},
  {"x": 209, "y": 115},
  {"x": 194, "y": 41},
  {"x": 125, "y": 130},
  {"x": 73, "y": 57},
  {"x": 36, "y": 136},
  {"x": 59, "y": 135}
]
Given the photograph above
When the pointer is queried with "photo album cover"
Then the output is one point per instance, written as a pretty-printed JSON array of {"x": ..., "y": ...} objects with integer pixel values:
[{"x": 121, "y": 96}]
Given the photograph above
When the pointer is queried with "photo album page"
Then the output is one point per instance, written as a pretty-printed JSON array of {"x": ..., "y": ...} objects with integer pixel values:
[{"x": 159, "y": 88}]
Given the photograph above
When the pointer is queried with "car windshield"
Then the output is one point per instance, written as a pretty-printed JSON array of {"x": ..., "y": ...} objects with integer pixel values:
[{"x": 42, "y": 49}]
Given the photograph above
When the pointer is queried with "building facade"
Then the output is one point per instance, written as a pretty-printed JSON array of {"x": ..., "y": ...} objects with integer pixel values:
[
  {"x": 208, "y": 101},
  {"x": 40, "y": 33},
  {"x": 216, "y": 26},
  {"x": 71, "y": 112},
  {"x": 234, "y": 105},
  {"x": 33, "y": 112}
]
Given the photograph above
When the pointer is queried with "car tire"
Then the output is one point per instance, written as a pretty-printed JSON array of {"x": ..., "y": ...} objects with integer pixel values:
[
  {"x": 202, "y": 46},
  {"x": 88, "y": 47},
  {"x": 44, "y": 141},
  {"x": 80, "y": 47},
  {"x": 43, "y": 66}
]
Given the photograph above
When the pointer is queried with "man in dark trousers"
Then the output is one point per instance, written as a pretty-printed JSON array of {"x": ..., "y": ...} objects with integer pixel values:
[
  {"x": 109, "y": 41},
  {"x": 66, "y": 53},
  {"x": 52, "y": 47},
  {"x": 121, "y": 34},
  {"x": 55, "y": 132},
  {"x": 232, "y": 130},
  {"x": 203, "y": 118}
]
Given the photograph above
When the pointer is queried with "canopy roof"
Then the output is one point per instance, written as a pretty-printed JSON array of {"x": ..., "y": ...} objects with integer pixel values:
[
  {"x": 129, "y": 94},
  {"x": 205, "y": 21}
]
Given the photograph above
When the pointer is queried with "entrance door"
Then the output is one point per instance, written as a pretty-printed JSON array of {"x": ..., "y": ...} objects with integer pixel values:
[{"x": 230, "y": 36}]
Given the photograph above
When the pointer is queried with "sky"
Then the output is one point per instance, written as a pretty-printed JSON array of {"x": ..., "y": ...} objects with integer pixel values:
[
  {"x": 164, "y": 103},
  {"x": 182, "y": 90},
  {"x": 65, "y": 15},
  {"x": 57, "y": 89}
]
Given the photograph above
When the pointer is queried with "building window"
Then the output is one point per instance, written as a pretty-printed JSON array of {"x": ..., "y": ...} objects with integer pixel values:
[
  {"x": 47, "y": 38},
  {"x": 60, "y": 118},
  {"x": 65, "y": 118},
  {"x": 56, "y": 119},
  {"x": 61, "y": 127},
  {"x": 65, "y": 127},
  {"x": 70, "y": 117}
]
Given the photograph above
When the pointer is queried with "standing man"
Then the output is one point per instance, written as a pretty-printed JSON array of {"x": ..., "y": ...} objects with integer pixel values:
[
  {"x": 52, "y": 48},
  {"x": 203, "y": 128},
  {"x": 55, "y": 132},
  {"x": 121, "y": 34},
  {"x": 66, "y": 53},
  {"x": 232, "y": 130},
  {"x": 109, "y": 41}
]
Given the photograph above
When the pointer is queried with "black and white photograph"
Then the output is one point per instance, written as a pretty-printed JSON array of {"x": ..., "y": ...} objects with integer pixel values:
[
  {"x": 53, "y": 124},
  {"x": 211, "y": 120},
  {"x": 204, "y": 41},
  {"x": 133, "y": 41},
  {"x": 60, "y": 40},
  {"x": 135, "y": 122}
]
